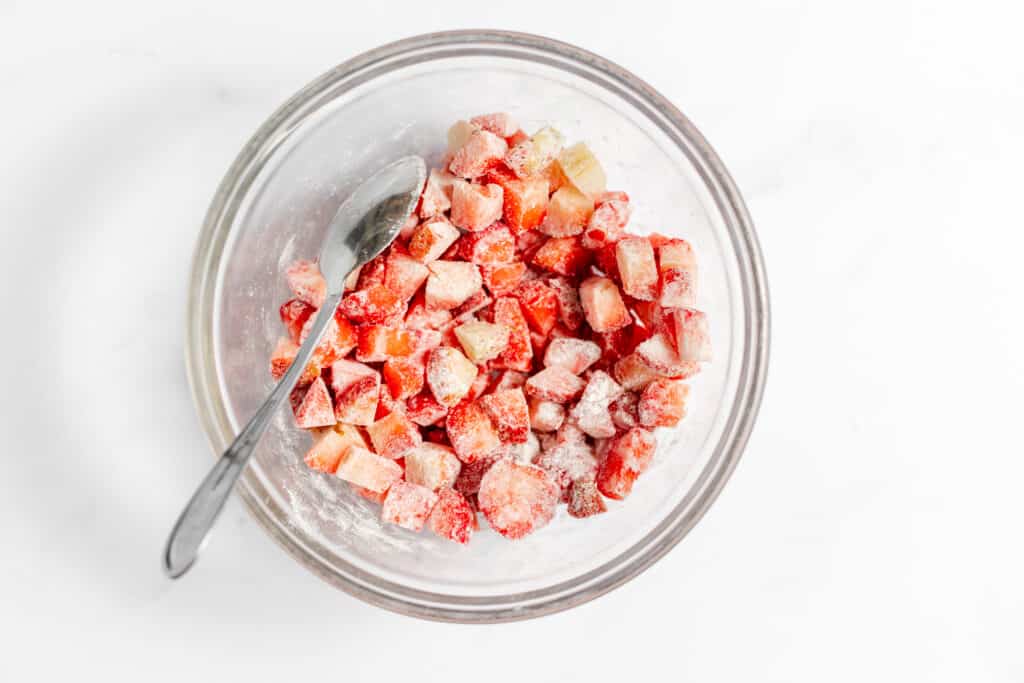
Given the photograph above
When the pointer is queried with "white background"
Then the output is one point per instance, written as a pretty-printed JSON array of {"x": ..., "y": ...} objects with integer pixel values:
[{"x": 872, "y": 530}]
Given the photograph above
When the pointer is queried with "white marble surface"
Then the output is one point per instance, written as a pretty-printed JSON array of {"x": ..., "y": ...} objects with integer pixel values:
[{"x": 870, "y": 533}]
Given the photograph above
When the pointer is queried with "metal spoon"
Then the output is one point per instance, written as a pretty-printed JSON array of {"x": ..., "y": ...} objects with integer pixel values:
[{"x": 363, "y": 227}]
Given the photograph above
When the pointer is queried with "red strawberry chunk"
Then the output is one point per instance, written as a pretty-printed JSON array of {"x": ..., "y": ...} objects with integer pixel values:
[
  {"x": 608, "y": 222},
  {"x": 437, "y": 193},
  {"x": 663, "y": 403},
  {"x": 489, "y": 246},
  {"x": 562, "y": 255},
  {"x": 481, "y": 151},
  {"x": 637, "y": 268},
  {"x": 659, "y": 355},
  {"x": 525, "y": 203},
  {"x": 502, "y": 278},
  {"x": 591, "y": 414},
  {"x": 424, "y": 410},
  {"x": 377, "y": 343},
  {"x": 372, "y": 272},
  {"x": 356, "y": 392},
  {"x": 539, "y": 304},
  {"x": 633, "y": 373},
  {"x": 294, "y": 314},
  {"x": 527, "y": 244},
  {"x": 449, "y": 375},
  {"x": 468, "y": 481},
  {"x": 567, "y": 214},
  {"x": 629, "y": 454},
  {"x": 509, "y": 413},
  {"x": 570, "y": 311},
  {"x": 517, "y": 499},
  {"x": 394, "y": 436},
  {"x": 360, "y": 467},
  {"x": 339, "y": 338},
  {"x": 453, "y": 517},
  {"x": 584, "y": 499},
  {"x": 471, "y": 433},
  {"x": 575, "y": 355},
  {"x": 327, "y": 449},
  {"x": 316, "y": 409},
  {"x": 475, "y": 207},
  {"x": 606, "y": 260},
  {"x": 693, "y": 343},
  {"x": 432, "y": 239},
  {"x": 403, "y": 274},
  {"x": 546, "y": 416},
  {"x": 618, "y": 343},
  {"x": 555, "y": 384},
  {"x": 518, "y": 354},
  {"x": 500, "y": 123},
  {"x": 624, "y": 411},
  {"x": 404, "y": 377},
  {"x": 374, "y": 305},
  {"x": 602, "y": 305},
  {"x": 306, "y": 282},
  {"x": 283, "y": 356},
  {"x": 433, "y": 466},
  {"x": 451, "y": 283},
  {"x": 408, "y": 505},
  {"x": 532, "y": 156}
]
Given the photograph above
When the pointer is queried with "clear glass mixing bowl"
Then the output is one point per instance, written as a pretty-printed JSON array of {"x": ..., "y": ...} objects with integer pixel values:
[{"x": 272, "y": 207}]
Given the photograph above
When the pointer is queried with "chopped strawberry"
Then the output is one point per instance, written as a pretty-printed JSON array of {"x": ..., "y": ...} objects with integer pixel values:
[
  {"x": 555, "y": 384},
  {"x": 582, "y": 169},
  {"x": 315, "y": 409},
  {"x": 471, "y": 433},
  {"x": 525, "y": 203},
  {"x": 424, "y": 410},
  {"x": 372, "y": 496},
  {"x": 432, "y": 239},
  {"x": 546, "y": 416},
  {"x": 403, "y": 274},
  {"x": 356, "y": 392},
  {"x": 677, "y": 266},
  {"x": 567, "y": 456},
  {"x": 404, "y": 377},
  {"x": 539, "y": 304},
  {"x": 527, "y": 244},
  {"x": 283, "y": 356},
  {"x": 394, "y": 436},
  {"x": 518, "y": 354},
  {"x": 451, "y": 283},
  {"x": 509, "y": 379},
  {"x": 509, "y": 413},
  {"x": 482, "y": 341},
  {"x": 617, "y": 343},
  {"x": 458, "y": 135},
  {"x": 361, "y": 467},
  {"x": 387, "y": 404},
  {"x": 663, "y": 403},
  {"x": 481, "y": 151},
  {"x": 432, "y": 465},
  {"x": 294, "y": 314},
  {"x": 606, "y": 259},
  {"x": 372, "y": 272},
  {"x": 408, "y": 505},
  {"x": 502, "y": 278},
  {"x": 659, "y": 355},
  {"x": 633, "y": 373},
  {"x": 377, "y": 343},
  {"x": 531, "y": 157},
  {"x": 575, "y": 355},
  {"x": 437, "y": 193},
  {"x": 602, "y": 305},
  {"x": 584, "y": 499},
  {"x": 517, "y": 499},
  {"x": 306, "y": 283},
  {"x": 567, "y": 213},
  {"x": 327, "y": 449},
  {"x": 629, "y": 454},
  {"x": 608, "y": 222},
  {"x": 624, "y": 411},
  {"x": 449, "y": 375},
  {"x": 570, "y": 312},
  {"x": 453, "y": 517},
  {"x": 339, "y": 338},
  {"x": 562, "y": 255},
  {"x": 468, "y": 481},
  {"x": 374, "y": 305},
  {"x": 479, "y": 386},
  {"x": 591, "y": 413},
  {"x": 691, "y": 332},
  {"x": 475, "y": 207},
  {"x": 637, "y": 268},
  {"x": 490, "y": 246},
  {"x": 500, "y": 123},
  {"x": 420, "y": 317}
]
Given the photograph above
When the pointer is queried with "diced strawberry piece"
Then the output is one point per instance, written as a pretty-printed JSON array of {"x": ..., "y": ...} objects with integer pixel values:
[
  {"x": 503, "y": 277},
  {"x": 374, "y": 305},
  {"x": 468, "y": 481},
  {"x": 339, "y": 338},
  {"x": 633, "y": 373},
  {"x": 530, "y": 157},
  {"x": 475, "y": 207},
  {"x": 677, "y": 266},
  {"x": 562, "y": 255},
  {"x": 617, "y": 343},
  {"x": 387, "y": 404},
  {"x": 372, "y": 496},
  {"x": 567, "y": 457},
  {"x": 673, "y": 253},
  {"x": 525, "y": 203},
  {"x": 518, "y": 354},
  {"x": 628, "y": 456},
  {"x": 449, "y": 375},
  {"x": 282, "y": 357},
  {"x": 451, "y": 283},
  {"x": 500, "y": 123},
  {"x": 602, "y": 305},
  {"x": 315, "y": 409},
  {"x": 624, "y": 411},
  {"x": 517, "y": 499},
  {"x": 404, "y": 377},
  {"x": 481, "y": 151},
  {"x": 453, "y": 517},
  {"x": 575, "y": 355},
  {"x": 424, "y": 410},
  {"x": 570, "y": 312},
  {"x": 509, "y": 379},
  {"x": 479, "y": 386},
  {"x": 482, "y": 341},
  {"x": 306, "y": 283},
  {"x": 356, "y": 392},
  {"x": 437, "y": 193},
  {"x": 408, "y": 505},
  {"x": 326, "y": 451},
  {"x": 363, "y": 468},
  {"x": 372, "y": 272},
  {"x": 607, "y": 224},
  {"x": 584, "y": 499},
  {"x": 403, "y": 274},
  {"x": 471, "y": 433},
  {"x": 583, "y": 169},
  {"x": 659, "y": 355},
  {"x": 637, "y": 268},
  {"x": 663, "y": 403},
  {"x": 555, "y": 384},
  {"x": 606, "y": 259},
  {"x": 539, "y": 303},
  {"x": 693, "y": 343},
  {"x": 653, "y": 317},
  {"x": 509, "y": 413},
  {"x": 433, "y": 466},
  {"x": 420, "y": 317},
  {"x": 294, "y": 314},
  {"x": 394, "y": 436},
  {"x": 527, "y": 244},
  {"x": 378, "y": 343},
  {"x": 546, "y": 416},
  {"x": 432, "y": 239},
  {"x": 567, "y": 213},
  {"x": 489, "y": 246},
  {"x": 591, "y": 414}
]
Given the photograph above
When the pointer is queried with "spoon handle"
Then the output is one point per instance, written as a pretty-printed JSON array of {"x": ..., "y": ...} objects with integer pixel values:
[{"x": 192, "y": 527}]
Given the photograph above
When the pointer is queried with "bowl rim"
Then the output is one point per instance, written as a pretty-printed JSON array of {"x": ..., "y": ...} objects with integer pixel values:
[{"x": 199, "y": 352}]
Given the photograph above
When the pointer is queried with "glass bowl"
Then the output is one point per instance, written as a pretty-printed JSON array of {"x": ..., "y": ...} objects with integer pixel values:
[{"x": 272, "y": 208}]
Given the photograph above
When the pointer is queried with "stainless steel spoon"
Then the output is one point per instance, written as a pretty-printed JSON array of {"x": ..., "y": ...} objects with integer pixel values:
[{"x": 363, "y": 227}]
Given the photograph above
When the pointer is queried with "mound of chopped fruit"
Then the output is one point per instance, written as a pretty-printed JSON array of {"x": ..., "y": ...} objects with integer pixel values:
[{"x": 515, "y": 348}]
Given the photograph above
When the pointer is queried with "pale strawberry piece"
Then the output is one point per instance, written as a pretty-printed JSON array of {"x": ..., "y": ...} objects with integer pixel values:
[
  {"x": 449, "y": 375},
  {"x": 555, "y": 384},
  {"x": 315, "y": 409},
  {"x": 408, "y": 505},
  {"x": 584, "y": 499},
  {"x": 637, "y": 268},
  {"x": 519, "y": 353},
  {"x": 628, "y": 456},
  {"x": 624, "y": 411},
  {"x": 503, "y": 277},
  {"x": 509, "y": 413},
  {"x": 404, "y": 377},
  {"x": 678, "y": 288},
  {"x": 372, "y": 496},
  {"x": 403, "y": 274},
  {"x": 693, "y": 343},
  {"x": 531, "y": 157},
  {"x": 570, "y": 311},
  {"x": 451, "y": 283},
  {"x": 525, "y": 202},
  {"x": 490, "y": 246},
  {"x": 374, "y": 305},
  {"x": 356, "y": 392},
  {"x": 482, "y": 341},
  {"x": 675, "y": 253},
  {"x": 663, "y": 403},
  {"x": 432, "y": 465},
  {"x": 575, "y": 355},
  {"x": 306, "y": 283},
  {"x": 659, "y": 355},
  {"x": 458, "y": 135},
  {"x": 500, "y": 123},
  {"x": 633, "y": 373},
  {"x": 539, "y": 303},
  {"x": 602, "y": 305},
  {"x": 437, "y": 193},
  {"x": 475, "y": 207},
  {"x": 546, "y": 416},
  {"x": 326, "y": 451},
  {"x": 562, "y": 255},
  {"x": 471, "y": 432},
  {"x": 294, "y": 313},
  {"x": 468, "y": 481},
  {"x": 591, "y": 413},
  {"x": 424, "y": 410},
  {"x": 432, "y": 239},
  {"x": 567, "y": 214},
  {"x": 453, "y": 517},
  {"x": 372, "y": 272},
  {"x": 420, "y": 317},
  {"x": 607, "y": 224},
  {"x": 394, "y": 436},
  {"x": 582, "y": 169},
  {"x": 517, "y": 499},
  {"x": 481, "y": 151},
  {"x": 377, "y": 343},
  {"x": 524, "y": 452},
  {"x": 283, "y": 356},
  {"x": 567, "y": 457},
  {"x": 364, "y": 468}
]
